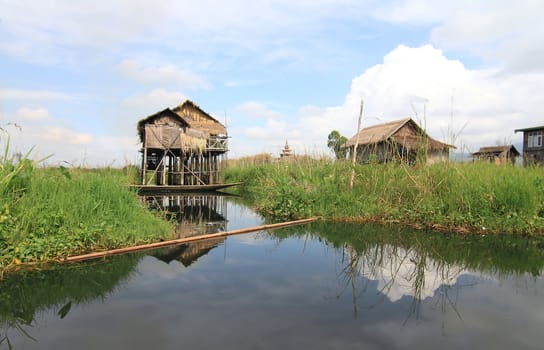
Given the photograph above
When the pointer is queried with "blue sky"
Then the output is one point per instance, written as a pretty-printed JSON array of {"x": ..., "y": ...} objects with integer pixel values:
[{"x": 76, "y": 76}]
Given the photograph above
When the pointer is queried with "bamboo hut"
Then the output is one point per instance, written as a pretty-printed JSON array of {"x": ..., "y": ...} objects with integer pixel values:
[
  {"x": 400, "y": 140},
  {"x": 497, "y": 154},
  {"x": 182, "y": 146}
]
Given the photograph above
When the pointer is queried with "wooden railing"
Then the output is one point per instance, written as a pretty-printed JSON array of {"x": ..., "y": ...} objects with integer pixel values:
[{"x": 217, "y": 143}]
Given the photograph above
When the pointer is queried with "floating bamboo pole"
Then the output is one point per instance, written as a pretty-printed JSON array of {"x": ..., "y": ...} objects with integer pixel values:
[{"x": 96, "y": 255}]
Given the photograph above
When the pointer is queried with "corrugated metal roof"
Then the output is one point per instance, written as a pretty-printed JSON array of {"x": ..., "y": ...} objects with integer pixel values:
[{"x": 534, "y": 128}]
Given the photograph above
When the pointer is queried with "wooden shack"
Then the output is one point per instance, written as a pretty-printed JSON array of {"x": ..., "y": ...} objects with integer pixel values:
[
  {"x": 400, "y": 140},
  {"x": 533, "y": 145},
  {"x": 497, "y": 154},
  {"x": 182, "y": 146}
]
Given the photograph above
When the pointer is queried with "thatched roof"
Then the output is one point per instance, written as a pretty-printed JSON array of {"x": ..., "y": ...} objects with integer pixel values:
[
  {"x": 386, "y": 132},
  {"x": 199, "y": 120},
  {"x": 188, "y": 114},
  {"x": 496, "y": 150}
]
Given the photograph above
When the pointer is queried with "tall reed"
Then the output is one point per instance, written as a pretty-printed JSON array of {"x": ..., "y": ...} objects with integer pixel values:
[
  {"x": 50, "y": 213},
  {"x": 468, "y": 197}
]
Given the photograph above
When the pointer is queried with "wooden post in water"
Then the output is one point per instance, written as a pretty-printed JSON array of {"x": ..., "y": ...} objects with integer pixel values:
[{"x": 354, "y": 155}]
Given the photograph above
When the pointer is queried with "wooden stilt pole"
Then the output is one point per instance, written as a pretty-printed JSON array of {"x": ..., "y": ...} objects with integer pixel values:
[
  {"x": 144, "y": 164},
  {"x": 183, "y": 240},
  {"x": 182, "y": 161},
  {"x": 354, "y": 156}
]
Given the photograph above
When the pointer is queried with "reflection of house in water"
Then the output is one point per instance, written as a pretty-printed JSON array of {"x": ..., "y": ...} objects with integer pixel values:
[
  {"x": 195, "y": 214},
  {"x": 189, "y": 253}
]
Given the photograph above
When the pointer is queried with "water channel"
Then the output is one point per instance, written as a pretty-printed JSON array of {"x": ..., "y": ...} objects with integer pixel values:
[{"x": 318, "y": 286}]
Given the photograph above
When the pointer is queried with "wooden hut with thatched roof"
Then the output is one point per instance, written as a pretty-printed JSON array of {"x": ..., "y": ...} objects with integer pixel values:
[
  {"x": 497, "y": 154},
  {"x": 400, "y": 140},
  {"x": 182, "y": 146}
]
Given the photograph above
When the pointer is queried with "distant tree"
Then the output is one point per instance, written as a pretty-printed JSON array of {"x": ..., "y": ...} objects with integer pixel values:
[{"x": 335, "y": 142}]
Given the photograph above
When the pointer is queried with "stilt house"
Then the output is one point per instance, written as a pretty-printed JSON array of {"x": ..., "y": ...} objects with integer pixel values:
[
  {"x": 497, "y": 154},
  {"x": 400, "y": 140},
  {"x": 182, "y": 146}
]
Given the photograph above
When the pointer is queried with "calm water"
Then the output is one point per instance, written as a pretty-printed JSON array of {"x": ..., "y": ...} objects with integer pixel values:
[{"x": 322, "y": 286}]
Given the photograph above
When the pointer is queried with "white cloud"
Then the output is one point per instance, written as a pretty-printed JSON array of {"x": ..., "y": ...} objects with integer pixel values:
[
  {"x": 32, "y": 95},
  {"x": 32, "y": 114},
  {"x": 66, "y": 136},
  {"x": 269, "y": 132},
  {"x": 66, "y": 31},
  {"x": 490, "y": 105},
  {"x": 154, "y": 100},
  {"x": 255, "y": 128},
  {"x": 253, "y": 109},
  {"x": 501, "y": 32},
  {"x": 165, "y": 75},
  {"x": 59, "y": 141},
  {"x": 506, "y": 33},
  {"x": 60, "y": 138},
  {"x": 49, "y": 31},
  {"x": 481, "y": 98},
  {"x": 63, "y": 145}
]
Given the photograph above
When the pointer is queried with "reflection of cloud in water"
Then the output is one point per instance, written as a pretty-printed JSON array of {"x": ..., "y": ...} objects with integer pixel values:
[
  {"x": 155, "y": 269},
  {"x": 252, "y": 239},
  {"x": 402, "y": 272},
  {"x": 242, "y": 217}
]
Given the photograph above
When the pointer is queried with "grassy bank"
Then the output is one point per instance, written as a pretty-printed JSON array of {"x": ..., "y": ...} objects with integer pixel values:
[
  {"x": 51, "y": 213},
  {"x": 469, "y": 197}
]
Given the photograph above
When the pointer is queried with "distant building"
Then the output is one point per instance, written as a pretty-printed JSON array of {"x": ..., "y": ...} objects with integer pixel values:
[
  {"x": 533, "y": 147},
  {"x": 497, "y": 154},
  {"x": 286, "y": 151},
  {"x": 400, "y": 140}
]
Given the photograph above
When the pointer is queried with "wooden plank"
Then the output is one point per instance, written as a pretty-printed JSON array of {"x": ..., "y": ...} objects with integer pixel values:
[{"x": 106, "y": 253}]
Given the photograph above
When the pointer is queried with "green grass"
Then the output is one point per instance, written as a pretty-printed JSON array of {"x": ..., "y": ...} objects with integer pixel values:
[
  {"x": 468, "y": 197},
  {"x": 51, "y": 213}
]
